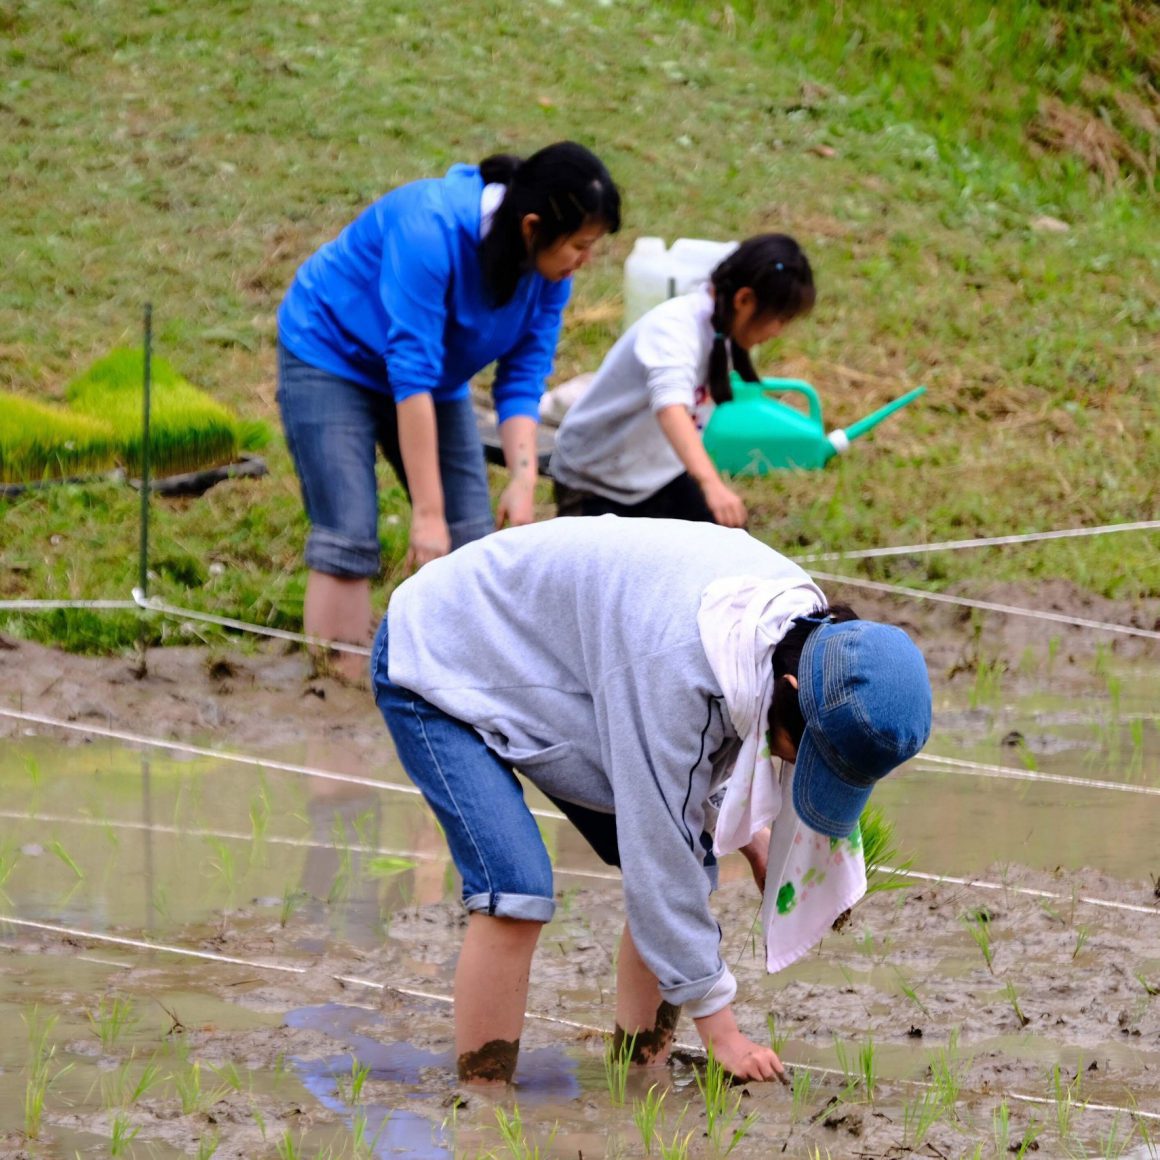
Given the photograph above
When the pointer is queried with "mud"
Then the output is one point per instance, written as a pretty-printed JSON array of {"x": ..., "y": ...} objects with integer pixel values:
[
  {"x": 1052, "y": 1033},
  {"x": 649, "y": 1043},
  {"x": 494, "y": 1062}
]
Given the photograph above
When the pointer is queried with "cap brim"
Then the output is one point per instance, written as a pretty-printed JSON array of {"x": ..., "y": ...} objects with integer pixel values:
[{"x": 823, "y": 800}]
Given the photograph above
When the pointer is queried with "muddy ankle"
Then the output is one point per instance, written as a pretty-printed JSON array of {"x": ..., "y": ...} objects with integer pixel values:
[
  {"x": 649, "y": 1046},
  {"x": 494, "y": 1062}
]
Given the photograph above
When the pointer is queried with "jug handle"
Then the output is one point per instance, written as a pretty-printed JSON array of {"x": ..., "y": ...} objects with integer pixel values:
[{"x": 797, "y": 387}]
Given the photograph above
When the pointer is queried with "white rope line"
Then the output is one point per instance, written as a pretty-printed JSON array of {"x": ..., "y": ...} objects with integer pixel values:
[
  {"x": 447, "y": 1000},
  {"x": 1026, "y": 891},
  {"x": 46, "y": 605},
  {"x": 986, "y": 605},
  {"x": 980, "y": 542},
  {"x": 224, "y": 755},
  {"x": 273, "y": 839},
  {"x": 978, "y": 769},
  {"x": 153, "y": 604}
]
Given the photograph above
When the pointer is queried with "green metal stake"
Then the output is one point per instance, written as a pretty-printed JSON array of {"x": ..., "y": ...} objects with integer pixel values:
[{"x": 143, "y": 551}]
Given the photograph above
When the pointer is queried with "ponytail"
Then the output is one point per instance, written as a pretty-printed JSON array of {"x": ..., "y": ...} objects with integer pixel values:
[
  {"x": 774, "y": 267},
  {"x": 565, "y": 185}
]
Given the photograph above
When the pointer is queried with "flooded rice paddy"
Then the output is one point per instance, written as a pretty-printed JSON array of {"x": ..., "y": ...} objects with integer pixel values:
[{"x": 205, "y": 957}]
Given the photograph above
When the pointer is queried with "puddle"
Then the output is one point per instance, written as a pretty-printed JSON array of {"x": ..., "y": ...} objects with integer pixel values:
[{"x": 348, "y": 889}]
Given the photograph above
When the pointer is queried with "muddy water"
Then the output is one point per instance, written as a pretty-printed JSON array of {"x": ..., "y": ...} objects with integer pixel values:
[{"x": 331, "y": 879}]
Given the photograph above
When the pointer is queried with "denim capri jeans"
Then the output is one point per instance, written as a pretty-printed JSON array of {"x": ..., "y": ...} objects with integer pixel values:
[
  {"x": 494, "y": 839},
  {"x": 332, "y": 426}
]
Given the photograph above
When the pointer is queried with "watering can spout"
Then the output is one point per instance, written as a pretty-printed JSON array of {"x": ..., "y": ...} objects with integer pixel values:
[{"x": 840, "y": 440}]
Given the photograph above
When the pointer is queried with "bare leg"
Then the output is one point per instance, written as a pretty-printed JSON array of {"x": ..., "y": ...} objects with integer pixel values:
[
  {"x": 491, "y": 992},
  {"x": 640, "y": 1010},
  {"x": 339, "y": 609}
]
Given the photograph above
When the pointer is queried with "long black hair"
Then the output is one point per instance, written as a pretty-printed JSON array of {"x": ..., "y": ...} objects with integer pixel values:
[
  {"x": 565, "y": 185},
  {"x": 785, "y": 710},
  {"x": 774, "y": 267}
]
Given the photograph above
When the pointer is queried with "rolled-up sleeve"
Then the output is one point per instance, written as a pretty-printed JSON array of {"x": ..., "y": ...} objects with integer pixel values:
[
  {"x": 671, "y": 356},
  {"x": 413, "y": 283},
  {"x": 523, "y": 370}
]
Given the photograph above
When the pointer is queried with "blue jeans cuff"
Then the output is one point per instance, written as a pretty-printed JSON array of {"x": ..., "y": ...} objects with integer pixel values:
[
  {"x": 530, "y": 907},
  {"x": 339, "y": 555}
]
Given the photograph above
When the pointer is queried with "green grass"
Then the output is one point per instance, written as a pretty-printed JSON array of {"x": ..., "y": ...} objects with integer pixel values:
[{"x": 195, "y": 159}]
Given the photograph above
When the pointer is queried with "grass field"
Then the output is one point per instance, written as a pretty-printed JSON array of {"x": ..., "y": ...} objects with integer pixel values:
[{"x": 928, "y": 157}]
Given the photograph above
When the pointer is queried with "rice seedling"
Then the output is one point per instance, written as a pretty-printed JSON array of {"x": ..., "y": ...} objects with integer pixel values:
[
  {"x": 910, "y": 991},
  {"x": 1115, "y": 1141},
  {"x": 207, "y": 1146},
  {"x": 618, "y": 1055},
  {"x": 344, "y": 875},
  {"x": 722, "y": 1107},
  {"x": 646, "y": 1114},
  {"x": 230, "y": 1076},
  {"x": 350, "y": 1090},
  {"x": 193, "y": 1097},
  {"x": 292, "y": 899},
  {"x": 260, "y": 1120},
  {"x": 803, "y": 1082},
  {"x": 514, "y": 1134},
  {"x": 1081, "y": 937},
  {"x": 777, "y": 1038},
  {"x": 1001, "y": 1128},
  {"x": 58, "y": 849},
  {"x": 1150, "y": 989},
  {"x": 112, "y": 1018},
  {"x": 288, "y": 1148},
  {"x": 677, "y": 1148},
  {"x": 988, "y": 682},
  {"x": 1028, "y": 1142},
  {"x": 259, "y": 822},
  {"x": 361, "y": 1144},
  {"x": 868, "y": 1068},
  {"x": 944, "y": 1073},
  {"x": 41, "y": 1074},
  {"x": 387, "y": 865},
  {"x": 121, "y": 1135},
  {"x": 1012, "y": 996},
  {"x": 979, "y": 925},
  {"x": 40, "y": 442},
  {"x": 188, "y": 429},
  {"x": 1066, "y": 1095},
  {"x": 879, "y": 852},
  {"x": 919, "y": 1115},
  {"x": 225, "y": 867}
]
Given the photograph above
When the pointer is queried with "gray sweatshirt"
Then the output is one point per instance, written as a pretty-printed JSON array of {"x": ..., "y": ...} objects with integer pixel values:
[{"x": 572, "y": 647}]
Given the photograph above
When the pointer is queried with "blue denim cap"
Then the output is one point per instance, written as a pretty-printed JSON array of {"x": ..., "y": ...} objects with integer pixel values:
[{"x": 865, "y": 697}]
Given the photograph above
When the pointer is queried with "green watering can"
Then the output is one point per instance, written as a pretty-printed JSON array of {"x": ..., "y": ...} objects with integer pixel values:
[{"x": 754, "y": 434}]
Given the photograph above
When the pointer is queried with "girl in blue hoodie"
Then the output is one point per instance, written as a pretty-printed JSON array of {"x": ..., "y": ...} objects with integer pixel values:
[{"x": 379, "y": 336}]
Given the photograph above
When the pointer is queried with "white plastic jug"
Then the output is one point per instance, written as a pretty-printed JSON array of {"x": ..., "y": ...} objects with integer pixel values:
[{"x": 653, "y": 273}]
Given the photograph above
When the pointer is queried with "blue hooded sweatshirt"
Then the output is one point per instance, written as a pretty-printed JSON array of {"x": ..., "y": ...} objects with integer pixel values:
[{"x": 397, "y": 303}]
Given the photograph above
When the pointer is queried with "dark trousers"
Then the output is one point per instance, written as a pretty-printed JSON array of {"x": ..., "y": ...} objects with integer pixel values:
[{"x": 681, "y": 499}]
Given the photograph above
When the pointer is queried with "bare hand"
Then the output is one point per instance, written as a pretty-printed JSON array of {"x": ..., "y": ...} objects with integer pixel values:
[
  {"x": 739, "y": 1056},
  {"x": 430, "y": 539},
  {"x": 727, "y": 506},
  {"x": 516, "y": 504},
  {"x": 756, "y": 852}
]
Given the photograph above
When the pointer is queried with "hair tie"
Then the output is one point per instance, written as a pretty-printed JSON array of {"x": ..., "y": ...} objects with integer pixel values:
[
  {"x": 717, "y": 334},
  {"x": 779, "y": 265}
]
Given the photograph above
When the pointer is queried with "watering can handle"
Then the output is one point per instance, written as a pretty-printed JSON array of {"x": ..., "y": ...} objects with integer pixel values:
[{"x": 797, "y": 387}]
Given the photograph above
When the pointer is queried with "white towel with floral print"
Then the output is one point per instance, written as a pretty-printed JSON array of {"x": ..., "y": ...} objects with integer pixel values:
[{"x": 810, "y": 879}]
